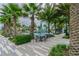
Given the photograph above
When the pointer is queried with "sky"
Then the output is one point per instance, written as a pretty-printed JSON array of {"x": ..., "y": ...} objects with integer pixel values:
[{"x": 26, "y": 21}]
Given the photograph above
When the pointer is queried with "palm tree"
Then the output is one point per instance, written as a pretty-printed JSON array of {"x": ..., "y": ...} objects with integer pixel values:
[
  {"x": 47, "y": 14},
  {"x": 64, "y": 10},
  {"x": 6, "y": 21},
  {"x": 5, "y": 18},
  {"x": 31, "y": 10},
  {"x": 2, "y": 20},
  {"x": 13, "y": 10},
  {"x": 60, "y": 24}
]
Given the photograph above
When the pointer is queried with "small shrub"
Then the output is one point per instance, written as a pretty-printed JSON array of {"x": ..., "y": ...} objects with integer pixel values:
[
  {"x": 21, "y": 39},
  {"x": 4, "y": 34},
  {"x": 59, "y": 50},
  {"x": 50, "y": 35},
  {"x": 66, "y": 37}
]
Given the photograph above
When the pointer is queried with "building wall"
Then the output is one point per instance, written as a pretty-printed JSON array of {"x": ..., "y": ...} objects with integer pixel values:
[{"x": 74, "y": 29}]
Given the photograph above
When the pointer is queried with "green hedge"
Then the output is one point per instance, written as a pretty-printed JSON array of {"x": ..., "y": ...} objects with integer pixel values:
[
  {"x": 66, "y": 37},
  {"x": 59, "y": 50},
  {"x": 21, "y": 39}
]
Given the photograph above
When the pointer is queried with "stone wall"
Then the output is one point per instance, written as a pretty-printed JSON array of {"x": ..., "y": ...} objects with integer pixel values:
[{"x": 74, "y": 29}]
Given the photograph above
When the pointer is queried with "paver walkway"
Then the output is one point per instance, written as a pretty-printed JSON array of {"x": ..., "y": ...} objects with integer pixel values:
[{"x": 33, "y": 48}]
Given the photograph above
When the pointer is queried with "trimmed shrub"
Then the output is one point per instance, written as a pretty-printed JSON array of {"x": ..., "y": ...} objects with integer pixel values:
[
  {"x": 59, "y": 50},
  {"x": 21, "y": 39},
  {"x": 66, "y": 37}
]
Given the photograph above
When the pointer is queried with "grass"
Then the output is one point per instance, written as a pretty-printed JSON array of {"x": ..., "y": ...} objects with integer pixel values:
[
  {"x": 21, "y": 39},
  {"x": 59, "y": 50}
]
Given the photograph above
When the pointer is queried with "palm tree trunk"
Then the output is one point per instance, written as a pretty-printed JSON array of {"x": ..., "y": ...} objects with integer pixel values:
[
  {"x": 14, "y": 25},
  {"x": 74, "y": 29},
  {"x": 55, "y": 26},
  {"x": 67, "y": 25},
  {"x": 66, "y": 33},
  {"x": 5, "y": 29},
  {"x": 32, "y": 25},
  {"x": 48, "y": 27},
  {"x": 9, "y": 30}
]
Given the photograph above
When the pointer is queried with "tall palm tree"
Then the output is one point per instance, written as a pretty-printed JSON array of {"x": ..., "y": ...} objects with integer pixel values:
[
  {"x": 6, "y": 21},
  {"x": 5, "y": 18},
  {"x": 31, "y": 10},
  {"x": 13, "y": 10},
  {"x": 64, "y": 10},
  {"x": 60, "y": 23},
  {"x": 47, "y": 14}
]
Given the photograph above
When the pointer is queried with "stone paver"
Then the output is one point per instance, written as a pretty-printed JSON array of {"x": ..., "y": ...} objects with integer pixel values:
[{"x": 33, "y": 48}]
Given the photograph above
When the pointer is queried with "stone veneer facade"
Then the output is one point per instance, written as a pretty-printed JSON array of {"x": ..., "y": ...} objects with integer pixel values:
[{"x": 74, "y": 29}]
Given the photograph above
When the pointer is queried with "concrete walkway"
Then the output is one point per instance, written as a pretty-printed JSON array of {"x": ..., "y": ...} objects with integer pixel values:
[{"x": 33, "y": 48}]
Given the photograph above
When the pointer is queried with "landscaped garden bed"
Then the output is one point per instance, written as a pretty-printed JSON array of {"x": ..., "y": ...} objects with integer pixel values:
[
  {"x": 21, "y": 39},
  {"x": 59, "y": 50}
]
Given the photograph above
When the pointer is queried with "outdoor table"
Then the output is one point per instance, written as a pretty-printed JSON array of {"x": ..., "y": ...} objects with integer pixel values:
[{"x": 39, "y": 36}]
